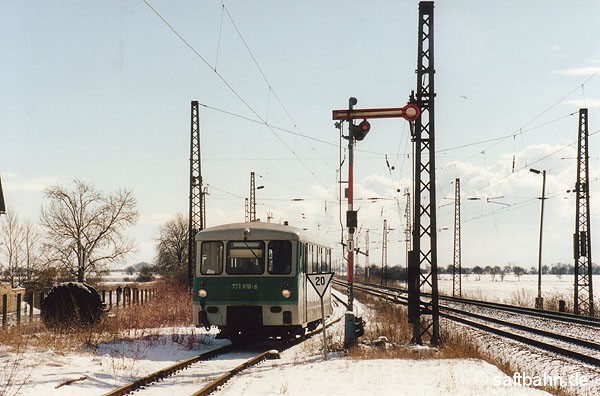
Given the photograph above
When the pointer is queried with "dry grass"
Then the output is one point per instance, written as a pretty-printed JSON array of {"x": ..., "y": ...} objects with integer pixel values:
[
  {"x": 171, "y": 306},
  {"x": 390, "y": 322},
  {"x": 388, "y": 335}
]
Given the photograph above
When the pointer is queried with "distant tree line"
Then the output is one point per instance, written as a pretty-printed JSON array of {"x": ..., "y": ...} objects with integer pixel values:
[
  {"x": 558, "y": 269},
  {"x": 399, "y": 273},
  {"x": 395, "y": 273}
]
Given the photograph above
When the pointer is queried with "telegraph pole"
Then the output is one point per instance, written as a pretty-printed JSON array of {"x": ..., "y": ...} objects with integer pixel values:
[
  {"x": 582, "y": 240},
  {"x": 539, "y": 301}
]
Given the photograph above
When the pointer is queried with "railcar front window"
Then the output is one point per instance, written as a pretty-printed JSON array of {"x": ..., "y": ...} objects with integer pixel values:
[
  {"x": 245, "y": 258},
  {"x": 280, "y": 257},
  {"x": 211, "y": 258}
]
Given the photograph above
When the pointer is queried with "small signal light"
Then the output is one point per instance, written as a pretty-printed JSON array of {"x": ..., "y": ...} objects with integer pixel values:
[
  {"x": 364, "y": 126},
  {"x": 360, "y": 131}
]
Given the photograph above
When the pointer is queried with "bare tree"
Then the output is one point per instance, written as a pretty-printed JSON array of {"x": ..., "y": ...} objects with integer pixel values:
[
  {"x": 12, "y": 243},
  {"x": 172, "y": 248},
  {"x": 20, "y": 250},
  {"x": 85, "y": 228}
]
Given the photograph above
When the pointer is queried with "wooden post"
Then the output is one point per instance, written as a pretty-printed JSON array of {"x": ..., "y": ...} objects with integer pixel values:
[
  {"x": 119, "y": 292},
  {"x": 19, "y": 298},
  {"x": 4, "y": 309},
  {"x": 32, "y": 294}
]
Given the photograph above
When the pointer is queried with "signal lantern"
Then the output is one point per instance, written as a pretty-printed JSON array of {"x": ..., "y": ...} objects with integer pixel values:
[{"x": 359, "y": 131}]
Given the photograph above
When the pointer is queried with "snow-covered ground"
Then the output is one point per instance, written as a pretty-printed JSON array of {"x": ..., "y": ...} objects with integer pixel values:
[
  {"x": 300, "y": 370},
  {"x": 513, "y": 289}
]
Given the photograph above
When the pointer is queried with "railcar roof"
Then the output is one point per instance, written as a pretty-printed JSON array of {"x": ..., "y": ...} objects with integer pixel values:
[{"x": 255, "y": 231}]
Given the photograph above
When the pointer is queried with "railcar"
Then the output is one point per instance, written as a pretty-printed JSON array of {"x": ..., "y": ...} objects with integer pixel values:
[{"x": 250, "y": 281}]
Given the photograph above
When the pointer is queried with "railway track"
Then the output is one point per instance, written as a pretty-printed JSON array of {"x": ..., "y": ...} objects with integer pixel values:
[
  {"x": 193, "y": 372},
  {"x": 541, "y": 336}
]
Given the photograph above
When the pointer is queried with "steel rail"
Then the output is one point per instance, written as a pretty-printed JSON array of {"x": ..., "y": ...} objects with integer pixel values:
[
  {"x": 544, "y": 333},
  {"x": 527, "y": 341},
  {"x": 214, "y": 385},
  {"x": 155, "y": 376},
  {"x": 559, "y": 316},
  {"x": 517, "y": 337},
  {"x": 271, "y": 354}
]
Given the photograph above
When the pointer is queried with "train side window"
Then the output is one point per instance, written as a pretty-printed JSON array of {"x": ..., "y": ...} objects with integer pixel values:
[
  {"x": 211, "y": 258},
  {"x": 305, "y": 260},
  {"x": 326, "y": 257},
  {"x": 300, "y": 256},
  {"x": 315, "y": 259},
  {"x": 280, "y": 257}
]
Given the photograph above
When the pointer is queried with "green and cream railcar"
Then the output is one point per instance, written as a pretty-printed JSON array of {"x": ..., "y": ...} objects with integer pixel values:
[{"x": 250, "y": 280}]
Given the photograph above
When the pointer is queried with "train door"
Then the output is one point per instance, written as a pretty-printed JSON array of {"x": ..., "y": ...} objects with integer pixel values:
[{"x": 303, "y": 279}]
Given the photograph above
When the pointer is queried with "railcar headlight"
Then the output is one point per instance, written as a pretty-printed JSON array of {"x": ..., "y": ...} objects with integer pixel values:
[
  {"x": 202, "y": 293},
  {"x": 286, "y": 293}
]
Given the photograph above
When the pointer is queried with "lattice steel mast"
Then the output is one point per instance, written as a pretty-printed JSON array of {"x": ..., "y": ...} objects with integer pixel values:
[
  {"x": 456, "y": 264},
  {"x": 582, "y": 240},
  {"x": 196, "y": 198},
  {"x": 252, "y": 203},
  {"x": 424, "y": 311},
  {"x": 407, "y": 228},
  {"x": 384, "y": 248}
]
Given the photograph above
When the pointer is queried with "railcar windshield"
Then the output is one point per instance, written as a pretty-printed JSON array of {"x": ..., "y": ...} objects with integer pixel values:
[
  {"x": 280, "y": 257},
  {"x": 245, "y": 258},
  {"x": 211, "y": 258}
]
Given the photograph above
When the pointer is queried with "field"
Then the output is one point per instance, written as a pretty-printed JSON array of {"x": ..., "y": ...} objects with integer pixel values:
[{"x": 517, "y": 290}]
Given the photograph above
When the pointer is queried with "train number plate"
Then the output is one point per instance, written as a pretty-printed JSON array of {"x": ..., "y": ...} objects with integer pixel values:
[{"x": 244, "y": 286}]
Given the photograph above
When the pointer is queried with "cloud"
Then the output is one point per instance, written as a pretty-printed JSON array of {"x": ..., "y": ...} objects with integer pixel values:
[
  {"x": 584, "y": 103},
  {"x": 12, "y": 183},
  {"x": 155, "y": 218},
  {"x": 579, "y": 71}
]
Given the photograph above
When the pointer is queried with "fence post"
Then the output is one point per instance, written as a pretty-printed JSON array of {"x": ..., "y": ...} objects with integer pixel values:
[
  {"x": 19, "y": 298},
  {"x": 32, "y": 297},
  {"x": 125, "y": 295},
  {"x": 119, "y": 292},
  {"x": 4, "y": 309}
]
